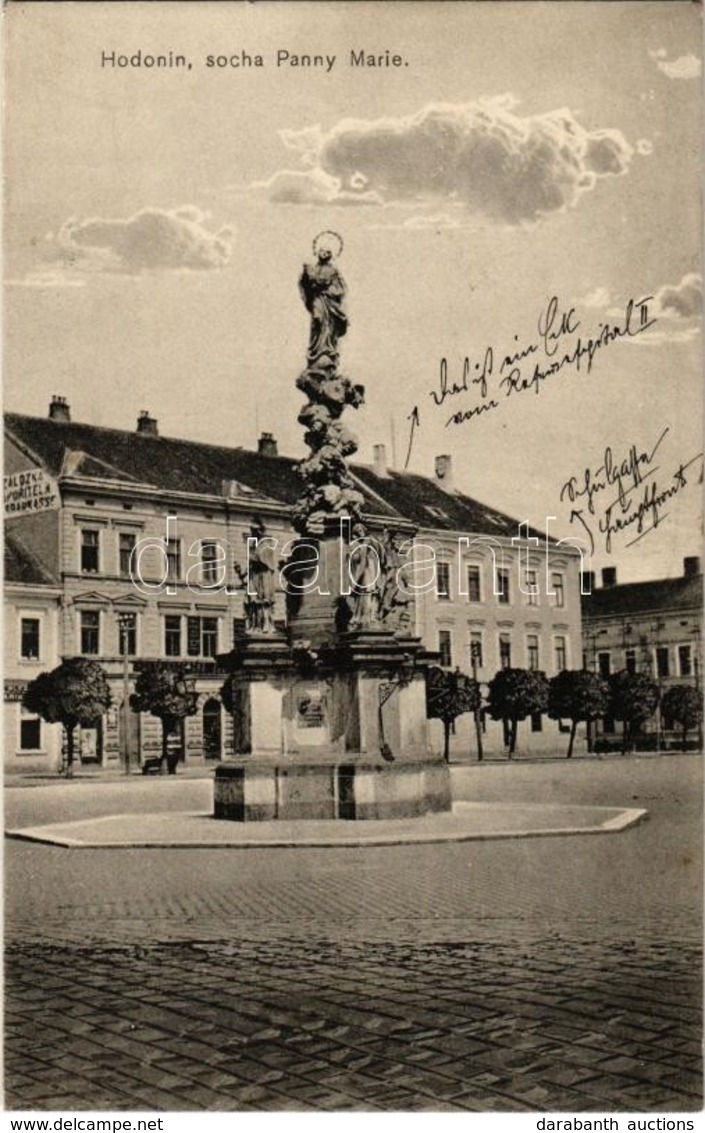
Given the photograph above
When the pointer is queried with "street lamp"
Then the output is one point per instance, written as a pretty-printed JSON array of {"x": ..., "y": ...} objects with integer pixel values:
[
  {"x": 660, "y": 732},
  {"x": 126, "y": 623},
  {"x": 695, "y": 634},
  {"x": 475, "y": 658}
]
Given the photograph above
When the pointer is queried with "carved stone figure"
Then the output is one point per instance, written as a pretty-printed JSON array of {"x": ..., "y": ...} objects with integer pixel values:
[
  {"x": 330, "y": 491},
  {"x": 394, "y": 603},
  {"x": 364, "y": 599},
  {"x": 259, "y": 578},
  {"x": 322, "y": 289}
]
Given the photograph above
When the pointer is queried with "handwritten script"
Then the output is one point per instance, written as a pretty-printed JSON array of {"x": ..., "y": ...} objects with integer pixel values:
[
  {"x": 559, "y": 346},
  {"x": 622, "y": 496}
]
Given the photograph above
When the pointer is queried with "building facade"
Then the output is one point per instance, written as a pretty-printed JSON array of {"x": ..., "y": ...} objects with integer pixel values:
[
  {"x": 30, "y": 646},
  {"x": 144, "y": 538},
  {"x": 649, "y": 627}
]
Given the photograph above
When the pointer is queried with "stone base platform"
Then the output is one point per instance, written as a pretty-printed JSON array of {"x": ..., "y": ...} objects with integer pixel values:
[{"x": 255, "y": 790}]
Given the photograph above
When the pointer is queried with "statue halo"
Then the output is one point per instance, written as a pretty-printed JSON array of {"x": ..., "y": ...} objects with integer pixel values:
[{"x": 328, "y": 232}]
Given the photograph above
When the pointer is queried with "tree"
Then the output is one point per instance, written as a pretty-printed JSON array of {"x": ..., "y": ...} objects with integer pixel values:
[
  {"x": 683, "y": 705},
  {"x": 449, "y": 695},
  {"x": 577, "y": 695},
  {"x": 516, "y": 694},
  {"x": 164, "y": 692},
  {"x": 75, "y": 692},
  {"x": 633, "y": 699}
]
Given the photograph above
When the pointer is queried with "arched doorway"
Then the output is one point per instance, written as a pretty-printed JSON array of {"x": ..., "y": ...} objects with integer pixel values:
[{"x": 212, "y": 729}]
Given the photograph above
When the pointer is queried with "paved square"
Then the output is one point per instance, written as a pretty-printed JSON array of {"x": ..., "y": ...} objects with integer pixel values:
[{"x": 558, "y": 974}]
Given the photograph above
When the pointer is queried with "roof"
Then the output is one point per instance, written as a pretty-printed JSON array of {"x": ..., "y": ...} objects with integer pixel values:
[
  {"x": 22, "y": 565},
  {"x": 425, "y": 504},
  {"x": 645, "y": 597},
  {"x": 171, "y": 464}
]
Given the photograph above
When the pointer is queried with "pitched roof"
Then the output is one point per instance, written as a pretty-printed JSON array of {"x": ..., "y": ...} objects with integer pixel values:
[
  {"x": 22, "y": 565},
  {"x": 191, "y": 466},
  {"x": 422, "y": 501},
  {"x": 645, "y": 597}
]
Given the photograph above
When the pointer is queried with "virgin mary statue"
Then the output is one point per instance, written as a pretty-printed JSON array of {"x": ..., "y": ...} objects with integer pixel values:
[{"x": 322, "y": 289}]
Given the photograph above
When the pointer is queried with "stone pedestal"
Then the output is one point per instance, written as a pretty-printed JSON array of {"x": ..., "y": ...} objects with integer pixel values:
[
  {"x": 257, "y": 790},
  {"x": 330, "y": 722}
]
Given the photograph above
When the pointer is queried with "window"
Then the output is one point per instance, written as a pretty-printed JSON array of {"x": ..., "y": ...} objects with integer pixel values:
[
  {"x": 685, "y": 665},
  {"x": 476, "y": 658},
  {"x": 443, "y": 580},
  {"x": 126, "y": 545},
  {"x": 536, "y": 722},
  {"x": 90, "y": 633},
  {"x": 30, "y": 732},
  {"x": 505, "y": 651},
  {"x": 603, "y": 664},
  {"x": 29, "y": 634},
  {"x": 630, "y": 660},
  {"x": 209, "y": 636},
  {"x": 502, "y": 586},
  {"x": 209, "y": 563},
  {"x": 445, "y": 648},
  {"x": 532, "y": 587},
  {"x": 127, "y": 634},
  {"x": 474, "y": 583},
  {"x": 90, "y": 548},
  {"x": 558, "y": 588},
  {"x": 532, "y": 651},
  {"x": 202, "y": 637},
  {"x": 662, "y": 661},
  {"x": 173, "y": 560},
  {"x": 172, "y": 635},
  {"x": 561, "y": 654}
]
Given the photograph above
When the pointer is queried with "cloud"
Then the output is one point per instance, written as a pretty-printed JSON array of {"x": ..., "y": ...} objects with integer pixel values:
[
  {"x": 511, "y": 169},
  {"x": 662, "y": 337},
  {"x": 598, "y": 297},
  {"x": 684, "y": 67},
  {"x": 677, "y": 308},
  {"x": 312, "y": 187},
  {"x": 438, "y": 221},
  {"x": 152, "y": 240},
  {"x": 683, "y": 300},
  {"x": 46, "y": 278}
]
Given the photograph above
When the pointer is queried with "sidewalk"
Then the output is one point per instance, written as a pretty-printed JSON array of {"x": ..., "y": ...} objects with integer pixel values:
[
  {"x": 465, "y": 823},
  {"x": 103, "y": 775}
]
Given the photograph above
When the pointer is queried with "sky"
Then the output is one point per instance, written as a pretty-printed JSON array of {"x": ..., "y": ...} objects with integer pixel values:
[{"x": 157, "y": 219}]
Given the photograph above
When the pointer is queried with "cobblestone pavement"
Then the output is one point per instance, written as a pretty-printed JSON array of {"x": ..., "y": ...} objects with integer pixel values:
[{"x": 556, "y": 974}]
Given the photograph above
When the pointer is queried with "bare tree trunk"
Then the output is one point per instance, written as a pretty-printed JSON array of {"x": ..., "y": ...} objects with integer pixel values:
[
  {"x": 478, "y": 733},
  {"x": 573, "y": 729},
  {"x": 69, "y": 753},
  {"x": 589, "y": 736},
  {"x": 446, "y": 740},
  {"x": 513, "y": 738},
  {"x": 166, "y": 729}
]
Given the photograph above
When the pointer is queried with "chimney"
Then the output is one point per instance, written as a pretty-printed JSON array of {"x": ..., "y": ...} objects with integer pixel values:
[
  {"x": 147, "y": 425},
  {"x": 59, "y": 409},
  {"x": 444, "y": 472},
  {"x": 380, "y": 459},
  {"x": 267, "y": 445},
  {"x": 691, "y": 566},
  {"x": 609, "y": 577},
  {"x": 587, "y": 581}
]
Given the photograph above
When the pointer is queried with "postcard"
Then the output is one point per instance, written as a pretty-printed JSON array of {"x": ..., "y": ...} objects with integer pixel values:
[{"x": 353, "y": 585}]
